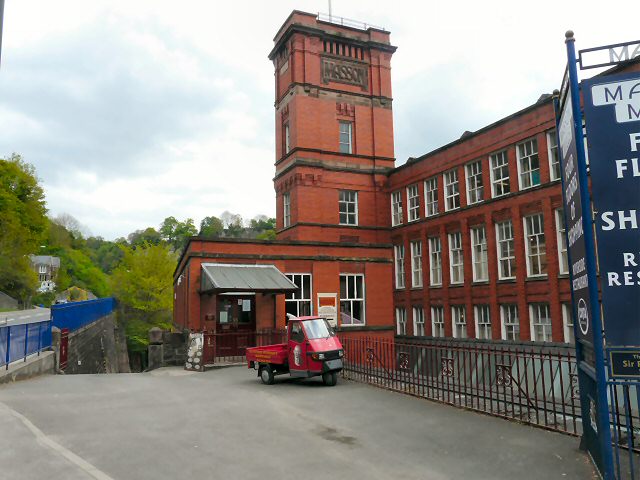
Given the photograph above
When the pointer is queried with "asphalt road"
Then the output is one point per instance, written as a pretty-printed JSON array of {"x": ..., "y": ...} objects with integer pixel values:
[
  {"x": 18, "y": 317},
  {"x": 224, "y": 424}
]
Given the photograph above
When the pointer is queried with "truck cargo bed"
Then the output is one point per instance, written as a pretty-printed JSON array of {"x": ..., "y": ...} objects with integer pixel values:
[{"x": 276, "y": 354}]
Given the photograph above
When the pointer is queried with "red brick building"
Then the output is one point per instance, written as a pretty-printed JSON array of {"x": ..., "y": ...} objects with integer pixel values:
[
  {"x": 334, "y": 132},
  {"x": 465, "y": 241}
]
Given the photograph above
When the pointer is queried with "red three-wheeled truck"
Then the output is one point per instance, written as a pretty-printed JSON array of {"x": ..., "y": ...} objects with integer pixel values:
[{"x": 312, "y": 350}]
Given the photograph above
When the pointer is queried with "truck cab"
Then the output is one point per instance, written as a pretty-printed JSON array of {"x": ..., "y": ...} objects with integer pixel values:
[{"x": 312, "y": 350}]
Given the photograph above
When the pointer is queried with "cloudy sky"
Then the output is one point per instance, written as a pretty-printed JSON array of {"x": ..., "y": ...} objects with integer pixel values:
[{"x": 135, "y": 110}]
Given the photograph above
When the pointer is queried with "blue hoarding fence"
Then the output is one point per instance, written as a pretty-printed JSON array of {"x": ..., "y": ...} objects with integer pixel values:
[
  {"x": 18, "y": 341},
  {"x": 76, "y": 315}
]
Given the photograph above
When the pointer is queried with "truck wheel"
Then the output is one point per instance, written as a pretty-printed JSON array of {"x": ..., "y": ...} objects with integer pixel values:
[
  {"x": 266, "y": 375},
  {"x": 330, "y": 378}
]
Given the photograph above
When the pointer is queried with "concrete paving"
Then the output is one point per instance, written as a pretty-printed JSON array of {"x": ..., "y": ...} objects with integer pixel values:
[{"x": 224, "y": 424}]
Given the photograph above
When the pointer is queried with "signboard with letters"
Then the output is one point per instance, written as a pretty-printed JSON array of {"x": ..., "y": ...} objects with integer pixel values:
[
  {"x": 344, "y": 71},
  {"x": 574, "y": 223},
  {"x": 612, "y": 112}
]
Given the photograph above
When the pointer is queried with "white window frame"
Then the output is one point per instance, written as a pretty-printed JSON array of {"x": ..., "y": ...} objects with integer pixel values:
[
  {"x": 347, "y": 198},
  {"x": 348, "y": 148},
  {"x": 437, "y": 321},
  {"x": 435, "y": 261},
  {"x": 286, "y": 210},
  {"x": 456, "y": 262},
  {"x": 348, "y": 300},
  {"x": 298, "y": 297},
  {"x": 398, "y": 256},
  {"x": 510, "y": 322},
  {"x": 526, "y": 160},
  {"x": 538, "y": 320},
  {"x": 479, "y": 254},
  {"x": 499, "y": 185},
  {"x": 418, "y": 322},
  {"x": 401, "y": 321},
  {"x": 554, "y": 156},
  {"x": 561, "y": 239},
  {"x": 287, "y": 138},
  {"x": 536, "y": 262},
  {"x": 459, "y": 321},
  {"x": 451, "y": 190},
  {"x": 507, "y": 256},
  {"x": 396, "y": 208},
  {"x": 416, "y": 263},
  {"x": 475, "y": 186},
  {"x": 413, "y": 203},
  {"x": 482, "y": 315},
  {"x": 431, "y": 196},
  {"x": 567, "y": 323}
]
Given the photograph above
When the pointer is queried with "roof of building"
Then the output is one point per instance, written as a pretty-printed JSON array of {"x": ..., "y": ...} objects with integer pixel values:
[
  {"x": 46, "y": 260},
  {"x": 219, "y": 277}
]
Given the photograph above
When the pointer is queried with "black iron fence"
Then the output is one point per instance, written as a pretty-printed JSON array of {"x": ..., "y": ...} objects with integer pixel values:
[
  {"x": 230, "y": 347},
  {"x": 530, "y": 384}
]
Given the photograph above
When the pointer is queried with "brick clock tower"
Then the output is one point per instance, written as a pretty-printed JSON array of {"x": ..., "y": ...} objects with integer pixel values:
[{"x": 334, "y": 130}]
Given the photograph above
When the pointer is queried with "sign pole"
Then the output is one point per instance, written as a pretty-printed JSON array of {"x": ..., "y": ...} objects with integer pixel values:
[{"x": 601, "y": 403}]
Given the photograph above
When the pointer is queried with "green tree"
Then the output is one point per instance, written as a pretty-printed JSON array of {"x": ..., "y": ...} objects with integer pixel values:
[
  {"x": 211, "y": 227},
  {"x": 177, "y": 233},
  {"x": 23, "y": 225},
  {"x": 148, "y": 235},
  {"x": 143, "y": 286}
]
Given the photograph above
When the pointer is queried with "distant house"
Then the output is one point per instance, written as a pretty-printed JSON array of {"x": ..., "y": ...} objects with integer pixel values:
[{"x": 47, "y": 268}]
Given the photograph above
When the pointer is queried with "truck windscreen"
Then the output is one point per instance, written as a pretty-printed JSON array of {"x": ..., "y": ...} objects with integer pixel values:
[{"x": 317, "y": 328}]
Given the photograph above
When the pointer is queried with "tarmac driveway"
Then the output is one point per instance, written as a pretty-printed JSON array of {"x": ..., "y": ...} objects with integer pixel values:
[{"x": 224, "y": 424}]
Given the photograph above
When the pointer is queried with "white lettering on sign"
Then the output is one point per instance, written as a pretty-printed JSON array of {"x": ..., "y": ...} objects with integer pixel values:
[
  {"x": 624, "y": 219},
  {"x": 624, "y": 95},
  {"x": 625, "y": 278},
  {"x": 630, "y": 166},
  {"x": 623, "y": 54}
]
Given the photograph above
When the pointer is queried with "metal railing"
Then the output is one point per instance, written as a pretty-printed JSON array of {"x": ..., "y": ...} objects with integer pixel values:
[
  {"x": 18, "y": 341},
  {"x": 624, "y": 398},
  {"x": 347, "y": 22},
  {"x": 75, "y": 315},
  {"x": 230, "y": 347},
  {"x": 530, "y": 383},
  {"x": 536, "y": 386}
]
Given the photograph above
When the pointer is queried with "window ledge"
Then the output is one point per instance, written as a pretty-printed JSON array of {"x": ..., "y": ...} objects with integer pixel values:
[
  {"x": 480, "y": 282},
  {"x": 436, "y": 286},
  {"x": 507, "y": 280},
  {"x": 537, "y": 278}
]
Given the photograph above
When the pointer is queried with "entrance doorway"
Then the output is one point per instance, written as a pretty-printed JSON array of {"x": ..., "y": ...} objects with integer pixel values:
[{"x": 236, "y": 319}]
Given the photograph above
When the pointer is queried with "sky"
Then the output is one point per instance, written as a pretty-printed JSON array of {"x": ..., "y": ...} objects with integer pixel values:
[{"x": 135, "y": 110}]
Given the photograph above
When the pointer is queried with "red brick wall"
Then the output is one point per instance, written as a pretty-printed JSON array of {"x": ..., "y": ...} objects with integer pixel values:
[{"x": 553, "y": 289}]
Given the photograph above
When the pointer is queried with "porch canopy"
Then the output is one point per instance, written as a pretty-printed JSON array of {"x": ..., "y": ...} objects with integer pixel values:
[{"x": 225, "y": 277}]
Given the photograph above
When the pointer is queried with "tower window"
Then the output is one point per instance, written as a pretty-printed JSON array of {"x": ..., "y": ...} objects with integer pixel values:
[
  {"x": 287, "y": 138},
  {"x": 348, "y": 207},
  {"x": 346, "y": 137},
  {"x": 286, "y": 210}
]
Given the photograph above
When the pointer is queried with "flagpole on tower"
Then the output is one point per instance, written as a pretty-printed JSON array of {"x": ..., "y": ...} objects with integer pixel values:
[{"x": 329, "y": 9}]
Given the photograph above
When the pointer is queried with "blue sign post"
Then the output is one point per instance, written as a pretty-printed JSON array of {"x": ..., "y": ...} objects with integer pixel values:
[
  {"x": 583, "y": 271},
  {"x": 612, "y": 112}
]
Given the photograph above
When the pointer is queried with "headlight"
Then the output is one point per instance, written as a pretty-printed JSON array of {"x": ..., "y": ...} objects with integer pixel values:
[
  {"x": 341, "y": 353},
  {"x": 317, "y": 356},
  {"x": 321, "y": 356}
]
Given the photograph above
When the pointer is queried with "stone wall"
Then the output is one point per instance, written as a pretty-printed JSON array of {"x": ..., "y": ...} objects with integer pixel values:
[
  {"x": 168, "y": 350},
  {"x": 99, "y": 347}
]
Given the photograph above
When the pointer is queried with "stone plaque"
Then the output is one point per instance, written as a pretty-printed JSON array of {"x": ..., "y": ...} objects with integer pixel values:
[{"x": 344, "y": 71}]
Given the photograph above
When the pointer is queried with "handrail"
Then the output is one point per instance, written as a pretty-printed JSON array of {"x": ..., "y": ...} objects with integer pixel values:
[{"x": 347, "y": 22}]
